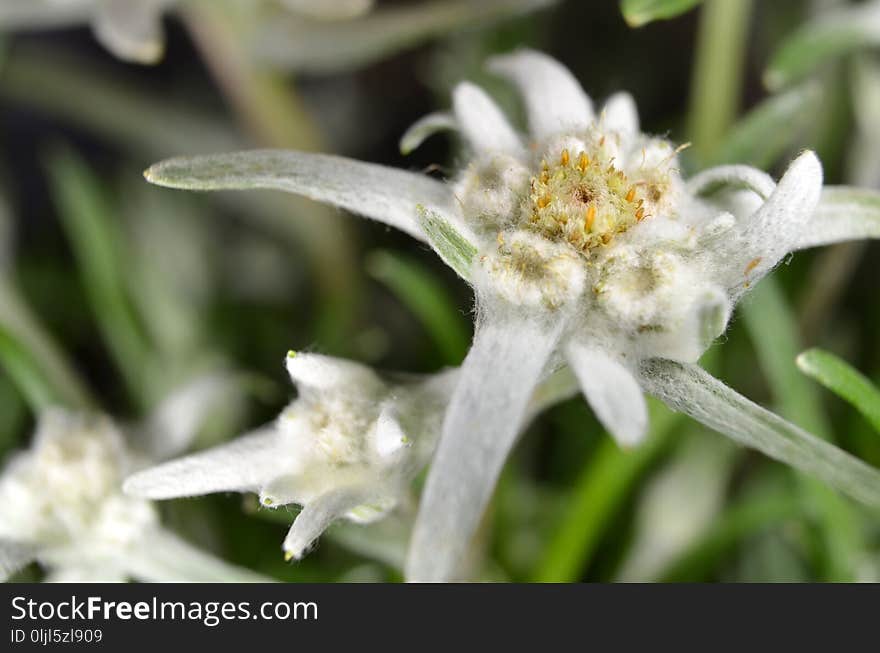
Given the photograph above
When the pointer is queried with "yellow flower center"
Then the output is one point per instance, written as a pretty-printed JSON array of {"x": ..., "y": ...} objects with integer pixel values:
[{"x": 584, "y": 199}]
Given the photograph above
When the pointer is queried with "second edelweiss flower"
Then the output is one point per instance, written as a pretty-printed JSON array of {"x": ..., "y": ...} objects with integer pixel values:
[{"x": 347, "y": 447}]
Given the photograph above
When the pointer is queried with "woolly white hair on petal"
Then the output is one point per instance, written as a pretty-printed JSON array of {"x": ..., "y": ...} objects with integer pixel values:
[
  {"x": 242, "y": 465},
  {"x": 281, "y": 490},
  {"x": 317, "y": 515},
  {"x": 483, "y": 124},
  {"x": 732, "y": 177},
  {"x": 383, "y": 194},
  {"x": 325, "y": 372},
  {"x": 388, "y": 436},
  {"x": 775, "y": 229},
  {"x": 612, "y": 392},
  {"x": 483, "y": 419},
  {"x": 691, "y": 390},
  {"x": 843, "y": 214},
  {"x": 621, "y": 114},
  {"x": 554, "y": 99}
]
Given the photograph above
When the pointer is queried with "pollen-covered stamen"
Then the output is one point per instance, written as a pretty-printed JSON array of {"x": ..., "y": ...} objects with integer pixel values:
[{"x": 584, "y": 199}]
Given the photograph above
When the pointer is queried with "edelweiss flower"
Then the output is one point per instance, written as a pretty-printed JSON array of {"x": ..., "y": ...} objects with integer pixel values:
[
  {"x": 584, "y": 246},
  {"x": 348, "y": 446},
  {"x": 61, "y": 503},
  {"x": 132, "y": 29}
]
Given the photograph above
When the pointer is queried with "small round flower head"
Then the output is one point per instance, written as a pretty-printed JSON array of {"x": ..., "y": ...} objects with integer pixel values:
[
  {"x": 348, "y": 446},
  {"x": 63, "y": 496}
]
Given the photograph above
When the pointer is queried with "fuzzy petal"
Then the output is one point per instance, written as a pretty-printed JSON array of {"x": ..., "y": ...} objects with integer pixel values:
[
  {"x": 163, "y": 557},
  {"x": 131, "y": 29},
  {"x": 326, "y": 372},
  {"x": 554, "y": 99},
  {"x": 483, "y": 124},
  {"x": 425, "y": 127},
  {"x": 14, "y": 556},
  {"x": 843, "y": 214},
  {"x": 612, "y": 392},
  {"x": 281, "y": 491},
  {"x": 621, "y": 114},
  {"x": 244, "y": 464},
  {"x": 777, "y": 227},
  {"x": 384, "y": 194},
  {"x": 481, "y": 425},
  {"x": 316, "y": 516},
  {"x": 691, "y": 390},
  {"x": 389, "y": 435},
  {"x": 732, "y": 177}
]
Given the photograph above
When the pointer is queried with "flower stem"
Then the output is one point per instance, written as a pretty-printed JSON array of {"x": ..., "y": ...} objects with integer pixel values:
[{"x": 718, "y": 72}]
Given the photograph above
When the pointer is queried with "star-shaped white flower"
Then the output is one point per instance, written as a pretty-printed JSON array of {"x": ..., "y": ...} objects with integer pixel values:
[
  {"x": 585, "y": 247},
  {"x": 347, "y": 447},
  {"x": 61, "y": 503}
]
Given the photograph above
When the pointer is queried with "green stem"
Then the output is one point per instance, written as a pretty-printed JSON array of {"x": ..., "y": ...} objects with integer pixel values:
[{"x": 718, "y": 72}]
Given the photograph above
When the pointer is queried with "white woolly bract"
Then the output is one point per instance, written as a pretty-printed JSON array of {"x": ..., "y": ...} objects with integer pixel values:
[{"x": 348, "y": 446}]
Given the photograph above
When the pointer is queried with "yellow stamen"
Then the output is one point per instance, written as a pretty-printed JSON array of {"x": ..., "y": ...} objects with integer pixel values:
[
  {"x": 564, "y": 159},
  {"x": 583, "y": 162},
  {"x": 630, "y": 196},
  {"x": 590, "y": 218},
  {"x": 544, "y": 201}
]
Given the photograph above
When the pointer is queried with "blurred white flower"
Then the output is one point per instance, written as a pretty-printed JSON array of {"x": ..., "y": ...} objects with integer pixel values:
[
  {"x": 132, "y": 29},
  {"x": 586, "y": 247},
  {"x": 61, "y": 503},
  {"x": 347, "y": 447}
]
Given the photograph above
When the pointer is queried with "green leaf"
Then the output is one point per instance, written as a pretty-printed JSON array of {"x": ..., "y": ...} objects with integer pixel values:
[
  {"x": 639, "y": 12},
  {"x": 844, "y": 213},
  {"x": 26, "y": 373},
  {"x": 456, "y": 249},
  {"x": 826, "y": 38},
  {"x": 427, "y": 298},
  {"x": 843, "y": 380},
  {"x": 99, "y": 251},
  {"x": 33, "y": 360},
  {"x": 693, "y": 391},
  {"x": 770, "y": 129}
]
